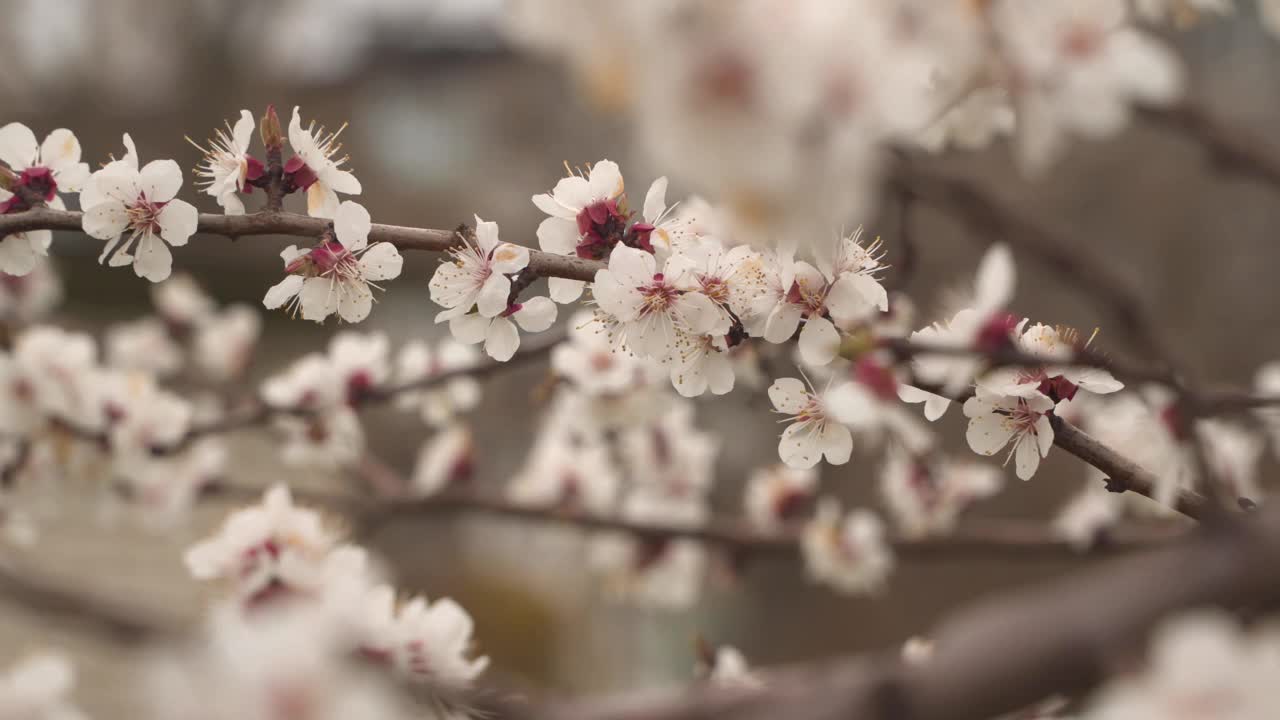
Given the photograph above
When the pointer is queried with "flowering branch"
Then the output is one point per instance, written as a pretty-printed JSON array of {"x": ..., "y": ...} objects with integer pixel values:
[
  {"x": 1000, "y": 655},
  {"x": 1015, "y": 538},
  {"x": 270, "y": 222}
]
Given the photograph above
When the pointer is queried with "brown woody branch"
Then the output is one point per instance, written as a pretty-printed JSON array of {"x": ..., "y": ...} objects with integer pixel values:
[{"x": 287, "y": 223}]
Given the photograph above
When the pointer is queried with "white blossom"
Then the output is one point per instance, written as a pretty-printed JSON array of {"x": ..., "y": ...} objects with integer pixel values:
[
  {"x": 563, "y": 474},
  {"x": 729, "y": 669},
  {"x": 264, "y": 547},
  {"x": 476, "y": 276},
  {"x": 143, "y": 345},
  {"x": 44, "y": 170},
  {"x": 226, "y": 167},
  {"x": 813, "y": 432},
  {"x": 926, "y": 495},
  {"x": 1198, "y": 664},
  {"x": 1019, "y": 421},
  {"x": 847, "y": 552},
  {"x": 1079, "y": 67},
  {"x": 224, "y": 342},
  {"x": 499, "y": 334},
  {"x": 651, "y": 307},
  {"x": 38, "y": 687},
  {"x": 776, "y": 493},
  {"x": 337, "y": 275},
  {"x": 315, "y": 170},
  {"x": 142, "y": 202},
  {"x": 418, "y": 362},
  {"x": 584, "y": 220},
  {"x": 29, "y": 297}
]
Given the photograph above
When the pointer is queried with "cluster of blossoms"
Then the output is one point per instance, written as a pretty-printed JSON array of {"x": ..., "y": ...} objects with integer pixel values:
[
  {"x": 37, "y": 687},
  {"x": 313, "y": 401},
  {"x": 1202, "y": 664},
  {"x": 786, "y": 109},
  {"x": 129, "y": 432},
  {"x": 280, "y": 560}
]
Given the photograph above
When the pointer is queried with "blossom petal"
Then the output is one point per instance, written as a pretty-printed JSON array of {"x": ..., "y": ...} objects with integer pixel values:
[
  {"x": 470, "y": 329},
  {"x": 788, "y": 395},
  {"x": 318, "y": 299},
  {"x": 508, "y": 258},
  {"x": 16, "y": 257},
  {"x": 154, "y": 261},
  {"x": 1026, "y": 458},
  {"x": 502, "y": 339},
  {"x": 800, "y": 447},
  {"x": 493, "y": 296},
  {"x": 18, "y": 147},
  {"x": 356, "y": 301},
  {"x": 558, "y": 235},
  {"x": 351, "y": 224},
  {"x": 280, "y": 293},
  {"x": 60, "y": 151},
  {"x": 655, "y": 201},
  {"x": 535, "y": 314},
  {"x": 564, "y": 290},
  {"x": 105, "y": 221},
  {"x": 987, "y": 434},
  {"x": 632, "y": 267},
  {"x": 837, "y": 443},
  {"x": 178, "y": 221},
  {"x": 160, "y": 180},
  {"x": 322, "y": 201},
  {"x": 605, "y": 180},
  {"x": 993, "y": 286},
  {"x": 382, "y": 261},
  {"x": 819, "y": 341}
]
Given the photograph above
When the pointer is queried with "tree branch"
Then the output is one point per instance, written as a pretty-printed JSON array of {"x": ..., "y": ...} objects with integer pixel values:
[
  {"x": 981, "y": 537},
  {"x": 285, "y": 223}
]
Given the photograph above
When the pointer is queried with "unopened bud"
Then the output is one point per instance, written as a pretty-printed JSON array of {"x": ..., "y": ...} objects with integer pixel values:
[{"x": 269, "y": 129}]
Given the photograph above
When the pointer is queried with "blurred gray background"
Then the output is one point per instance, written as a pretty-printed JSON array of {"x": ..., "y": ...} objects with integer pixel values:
[{"x": 447, "y": 121}]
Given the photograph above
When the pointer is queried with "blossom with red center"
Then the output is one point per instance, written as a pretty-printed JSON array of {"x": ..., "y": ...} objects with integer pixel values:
[
  {"x": 476, "y": 276},
  {"x": 227, "y": 168},
  {"x": 651, "y": 307},
  {"x": 39, "y": 173},
  {"x": 1018, "y": 421},
  {"x": 848, "y": 552},
  {"x": 813, "y": 433},
  {"x": 587, "y": 219},
  {"x": 314, "y": 170},
  {"x": 339, "y": 274},
  {"x": 137, "y": 213},
  {"x": 272, "y": 547}
]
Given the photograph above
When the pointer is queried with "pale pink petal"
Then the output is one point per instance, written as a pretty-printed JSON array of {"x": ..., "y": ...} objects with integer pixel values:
[
  {"x": 382, "y": 261},
  {"x": 819, "y": 341},
  {"x": 788, "y": 395},
  {"x": 178, "y": 221},
  {"x": 160, "y": 180},
  {"x": 351, "y": 224},
  {"x": 502, "y": 339},
  {"x": 470, "y": 329},
  {"x": 280, "y": 293},
  {"x": 536, "y": 314}
]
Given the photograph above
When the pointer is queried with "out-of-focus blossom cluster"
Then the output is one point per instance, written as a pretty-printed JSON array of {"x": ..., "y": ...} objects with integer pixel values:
[
  {"x": 70, "y": 406},
  {"x": 37, "y": 688},
  {"x": 785, "y": 109},
  {"x": 313, "y": 401},
  {"x": 1198, "y": 664},
  {"x": 296, "y": 593}
]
